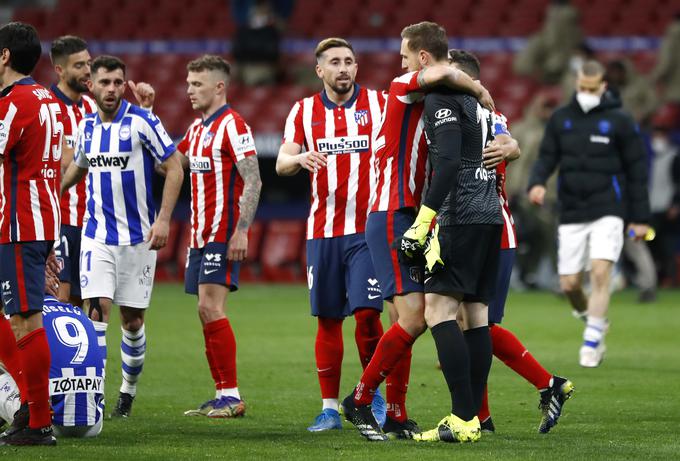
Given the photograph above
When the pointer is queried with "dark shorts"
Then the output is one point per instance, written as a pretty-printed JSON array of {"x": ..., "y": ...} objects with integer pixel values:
[
  {"x": 22, "y": 273},
  {"x": 68, "y": 254},
  {"x": 395, "y": 278},
  {"x": 497, "y": 305},
  {"x": 340, "y": 276},
  {"x": 470, "y": 254},
  {"x": 210, "y": 265}
]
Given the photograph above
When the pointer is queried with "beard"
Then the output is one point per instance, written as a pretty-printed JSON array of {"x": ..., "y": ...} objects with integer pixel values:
[
  {"x": 342, "y": 88},
  {"x": 76, "y": 86},
  {"x": 105, "y": 108}
]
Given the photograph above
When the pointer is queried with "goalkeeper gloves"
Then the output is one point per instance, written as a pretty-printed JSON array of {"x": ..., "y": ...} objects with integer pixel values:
[
  {"x": 410, "y": 245},
  {"x": 433, "y": 259}
]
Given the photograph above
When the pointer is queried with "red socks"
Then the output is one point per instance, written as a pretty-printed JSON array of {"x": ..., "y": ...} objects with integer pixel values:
[
  {"x": 368, "y": 332},
  {"x": 9, "y": 356},
  {"x": 34, "y": 352},
  {"x": 484, "y": 412},
  {"x": 397, "y": 385},
  {"x": 329, "y": 350},
  {"x": 221, "y": 353},
  {"x": 512, "y": 352},
  {"x": 211, "y": 358},
  {"x": 393, "y": 346}
]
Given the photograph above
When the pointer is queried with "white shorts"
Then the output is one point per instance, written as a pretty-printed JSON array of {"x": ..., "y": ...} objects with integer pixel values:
[
  {"x": 121, "y": 273},
  {"x": 80, "y": 431},
  {"x": 582, "y": 242}
]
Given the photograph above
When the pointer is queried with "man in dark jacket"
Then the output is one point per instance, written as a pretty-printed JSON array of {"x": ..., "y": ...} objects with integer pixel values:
[{"x": 602, "y": 182}]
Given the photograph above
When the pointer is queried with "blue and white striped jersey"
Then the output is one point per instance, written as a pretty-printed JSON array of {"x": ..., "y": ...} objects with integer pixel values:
[
  {"x": 77, "y": 367},
  {"x": 120, "y": 157}
]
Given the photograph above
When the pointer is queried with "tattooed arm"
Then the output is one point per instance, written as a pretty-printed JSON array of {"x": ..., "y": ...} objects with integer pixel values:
[
  {"x": 249, "y": 170},
  {"x": 456, "y": 79}
]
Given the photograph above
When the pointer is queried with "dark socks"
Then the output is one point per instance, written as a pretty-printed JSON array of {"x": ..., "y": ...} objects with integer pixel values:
[{"x": 479, "y": 348}]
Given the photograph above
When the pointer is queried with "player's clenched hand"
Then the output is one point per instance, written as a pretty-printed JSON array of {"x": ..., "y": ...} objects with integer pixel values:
[
  {"x": 238, "y": 246},
  {"x": 493, "y": 155},
  {"x": 312, "y": 161},
  {"x": 144, "y": 93},
  {"x": 537, "y": 195},
  {"x": 158, "y": 236}
]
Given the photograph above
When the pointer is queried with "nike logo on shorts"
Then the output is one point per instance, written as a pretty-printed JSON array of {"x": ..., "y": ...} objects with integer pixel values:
[
  {"x": 373, "y": 296},
  {"x": 207, "y": 272}
]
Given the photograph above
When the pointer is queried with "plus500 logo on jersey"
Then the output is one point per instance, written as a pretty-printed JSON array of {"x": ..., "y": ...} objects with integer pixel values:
[
  {"x": 200, "y": 164},
  {"x": 343, "y": 145}
]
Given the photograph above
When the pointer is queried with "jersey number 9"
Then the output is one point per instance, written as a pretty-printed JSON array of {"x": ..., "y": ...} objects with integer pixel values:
[{"x": 72, "y": 334}]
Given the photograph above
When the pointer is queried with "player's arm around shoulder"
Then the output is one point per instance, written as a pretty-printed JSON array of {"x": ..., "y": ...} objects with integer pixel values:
[
  {"x": 457, "y": 80},
  {"x": 249, "y": 170}
]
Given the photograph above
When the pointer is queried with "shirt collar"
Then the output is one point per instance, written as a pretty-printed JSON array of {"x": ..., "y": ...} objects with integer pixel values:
[
  {"x": 214, "y": 116},
  {"x": 119, "y": 115},
  {"x": 22, "y": 81},
  {"x": 331, "y": 105},
  {"x": 65, "y": 99}
]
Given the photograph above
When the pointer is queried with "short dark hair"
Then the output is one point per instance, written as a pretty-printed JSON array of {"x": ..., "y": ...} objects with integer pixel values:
[
  {"x": 23, "y": 44},
  {"x": 209, "y": 62},
  {"x": 332, "y": 42},
  {"x": 592, "y": 68},
  {"x": 65, "y": 46},
  {"x": 428, "y": 36},
  {"x": 107, "y": 62},
  {"x": 466, "y": 61}
]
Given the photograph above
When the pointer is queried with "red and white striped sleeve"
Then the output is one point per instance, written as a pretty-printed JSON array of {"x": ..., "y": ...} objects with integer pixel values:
[
  {"x": 294, "y": 131},
  {"x": 239, "y": 141}
]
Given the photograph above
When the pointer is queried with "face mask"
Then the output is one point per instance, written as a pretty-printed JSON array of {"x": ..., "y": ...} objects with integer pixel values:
[
  {"x": 660, "y": 145},
  {"x": 588, "y": 101}
]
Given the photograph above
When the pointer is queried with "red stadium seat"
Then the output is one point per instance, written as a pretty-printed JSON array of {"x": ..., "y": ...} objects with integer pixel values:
[
  {"x": 250, "y": 268},
  {"x": 281, "y": 249}
]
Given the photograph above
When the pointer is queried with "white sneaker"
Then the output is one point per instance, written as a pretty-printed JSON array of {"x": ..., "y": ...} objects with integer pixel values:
[{"x": 591, "y": 357}]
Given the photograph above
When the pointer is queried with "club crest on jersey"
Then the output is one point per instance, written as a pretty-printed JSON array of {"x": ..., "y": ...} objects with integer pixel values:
[
  {"x": 208, "y": 138},
  {"x": 125, "y": 133},
  {"x": 361, "y": 117}
]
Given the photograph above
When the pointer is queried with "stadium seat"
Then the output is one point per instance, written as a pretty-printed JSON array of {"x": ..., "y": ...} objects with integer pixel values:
[
  {"x": 281, "y": 249},
  {"x": 250, "y": 269}
]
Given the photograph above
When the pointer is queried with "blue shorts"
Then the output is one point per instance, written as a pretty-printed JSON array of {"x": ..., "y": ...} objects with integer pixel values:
[
  {"x": 22, "y": 273},
  {"x": 340, "y": 276},
  {"x": 382, "y": 228},
  {"x": 506, "y": 261},
  {"x": 67, "y": 254},
  {"x": 210, "y": 265}
]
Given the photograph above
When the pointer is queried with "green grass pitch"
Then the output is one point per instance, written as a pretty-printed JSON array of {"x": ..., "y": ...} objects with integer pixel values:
[{"x": 629, "y": 408}]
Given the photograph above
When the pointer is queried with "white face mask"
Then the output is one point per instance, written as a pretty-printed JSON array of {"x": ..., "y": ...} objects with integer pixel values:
[
  {"x": 588, "y": 101},
  {"x": 660, "y": 145}
]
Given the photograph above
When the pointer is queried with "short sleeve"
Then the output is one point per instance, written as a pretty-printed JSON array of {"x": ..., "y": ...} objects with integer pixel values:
[
  {"x": 8, "y": 116},
  {"x": 79, "y": 157},
  {"x": 183, "y": 146},
  {"x": 154, "y": 137},
  {"x": 500, "y": 124},
  {"x": 406, "y": 88},
  {"x": 239, "y": 141},
  {"x": 294, "y": 131}
]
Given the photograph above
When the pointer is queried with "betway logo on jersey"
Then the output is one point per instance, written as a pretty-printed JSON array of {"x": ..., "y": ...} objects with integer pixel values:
[
  {"x": 74, "y": 384},
  {"x": 200, "y": 164},
  {"x": 343, "y": 145},
  {"x": 109, "y": 161}
]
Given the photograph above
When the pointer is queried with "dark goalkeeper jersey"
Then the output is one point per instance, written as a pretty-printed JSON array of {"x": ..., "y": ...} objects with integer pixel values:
[{"x": 461, "y": 189}]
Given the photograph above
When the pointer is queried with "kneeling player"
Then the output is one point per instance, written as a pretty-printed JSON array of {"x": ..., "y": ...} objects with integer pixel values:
[{"x": 76, "y": 374}]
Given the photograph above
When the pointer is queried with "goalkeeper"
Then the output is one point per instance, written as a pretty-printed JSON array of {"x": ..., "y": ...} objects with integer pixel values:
[{"x": 461, "y": 253}]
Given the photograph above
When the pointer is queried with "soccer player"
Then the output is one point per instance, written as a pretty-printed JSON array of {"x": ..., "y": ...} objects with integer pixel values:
[
  {"x": 603, "y": 181},
  {"x": 76, "y": 372},
  {"x": 401, "y": 175},
  {"x": 71, "y": 62},
  {"x": 31, "y": 132},
  {"x": 119, "y": 146},
  {"x": 338, "y": 127},
  {"x": 554, "y": 390},
  {"x": 219, "y": 151}
]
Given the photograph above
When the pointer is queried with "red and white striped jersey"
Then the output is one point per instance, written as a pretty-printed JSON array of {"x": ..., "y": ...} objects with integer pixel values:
[
  {"x": 31, "y": 130},
  {"x": 509, "y": 237},
  {"x": 341, "y": 192},
  {"x": 401, "y": 149},
  {"x": 73, "y": 201},
  {"x": 214, "y": 146}
]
